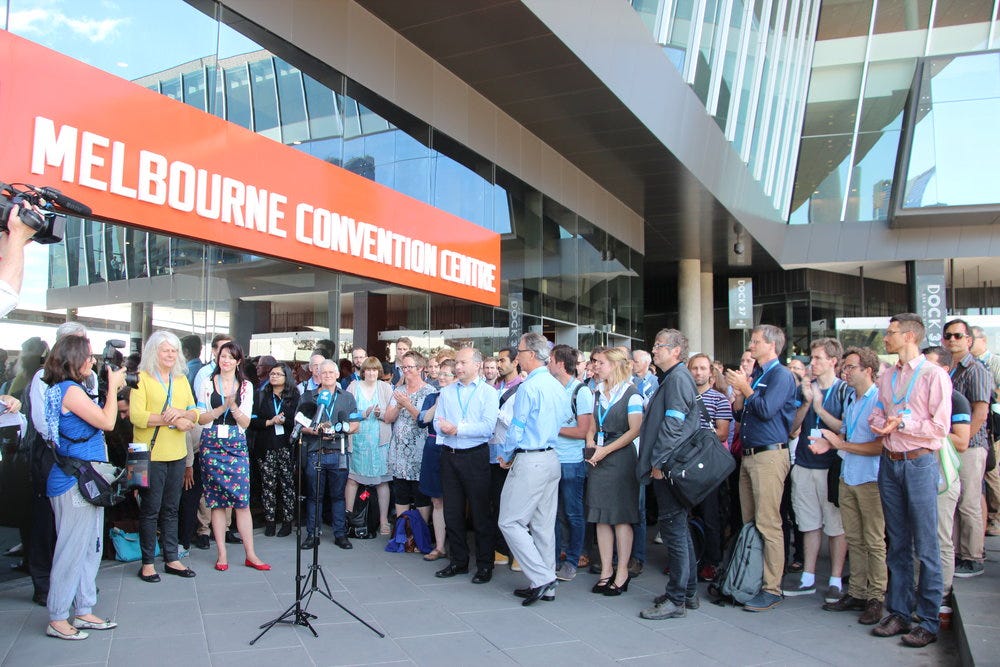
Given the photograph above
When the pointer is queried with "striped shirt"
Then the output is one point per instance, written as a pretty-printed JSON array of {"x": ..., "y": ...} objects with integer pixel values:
[
  {"x": 718, "y": 407},
  {"x": 972, "y": 380}
]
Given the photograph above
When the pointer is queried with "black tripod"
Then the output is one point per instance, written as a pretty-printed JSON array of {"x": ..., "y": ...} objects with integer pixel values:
[{"x": 307, "y": 584}]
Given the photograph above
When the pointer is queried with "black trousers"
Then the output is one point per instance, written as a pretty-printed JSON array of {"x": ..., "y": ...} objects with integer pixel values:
[
  {"x": 497, "y": 478},
  {"x": 465, "y": 476},
  {"x": 187, "y": 513},
  {"x": 41, "y": 545}
]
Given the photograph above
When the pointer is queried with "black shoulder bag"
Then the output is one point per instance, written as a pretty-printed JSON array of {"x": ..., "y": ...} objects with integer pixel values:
[{"x": 696, "y": 467}]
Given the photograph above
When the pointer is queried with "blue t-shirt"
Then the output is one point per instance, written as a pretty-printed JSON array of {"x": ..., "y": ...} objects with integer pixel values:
[
  {"x": 70, "y": 426},
  {"x": 570, "y": 450}
]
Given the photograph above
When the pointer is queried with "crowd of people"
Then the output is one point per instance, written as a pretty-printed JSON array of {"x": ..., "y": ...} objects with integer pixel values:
[{"x": 545, "y": 456}]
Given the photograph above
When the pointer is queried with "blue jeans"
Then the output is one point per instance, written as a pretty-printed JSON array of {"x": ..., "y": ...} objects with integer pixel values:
[
  {"x": 639, "y": 529},
  {"x": 909, "y": 502},
  {"x": 332, "y": 476},
  {"x": 673, "y": 523},
  {"x": 571, "y": 511}
]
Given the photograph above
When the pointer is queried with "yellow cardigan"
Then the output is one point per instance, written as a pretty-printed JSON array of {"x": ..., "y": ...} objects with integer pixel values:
[{"x": 148, "y": 399}]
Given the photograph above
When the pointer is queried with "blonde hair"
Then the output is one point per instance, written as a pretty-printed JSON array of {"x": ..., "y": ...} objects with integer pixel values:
[{"x": 621, "y": 369}]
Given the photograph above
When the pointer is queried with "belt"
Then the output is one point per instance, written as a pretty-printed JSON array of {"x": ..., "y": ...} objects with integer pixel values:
[
  {"x": 765, "y": 448},
  {"x": 530, "y": 451},
  {"x": 327, "y": 451},
  {"x": 908, "y": 455},
  {"x": 452, "y": 450}
]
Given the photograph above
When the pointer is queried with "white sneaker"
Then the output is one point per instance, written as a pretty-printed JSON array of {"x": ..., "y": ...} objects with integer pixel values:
[{"x": 657, "y": 539}]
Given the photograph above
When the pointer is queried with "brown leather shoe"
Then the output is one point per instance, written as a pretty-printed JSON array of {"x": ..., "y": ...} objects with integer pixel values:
[
  {"x": 846, "y": 602},
  {"x": 919, "y": 637},
  {"x": 872, "y": 613},
  {"x": 890, "y": 626}
]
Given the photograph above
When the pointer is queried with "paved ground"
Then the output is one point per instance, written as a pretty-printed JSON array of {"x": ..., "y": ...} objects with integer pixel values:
[{"x": 209, "y": 620}]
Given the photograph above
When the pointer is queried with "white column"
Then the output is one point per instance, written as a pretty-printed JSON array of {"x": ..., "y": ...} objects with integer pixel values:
[
  {"x": 689, "y": 301},
  {"x": 707, "y": 315}
]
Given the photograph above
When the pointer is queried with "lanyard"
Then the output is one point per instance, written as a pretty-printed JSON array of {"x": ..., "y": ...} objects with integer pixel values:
[
  {"x": 826, "y": 395},
  {"x": 611, "y": 402},
  {"x": 753, "y": 385},
  {"x": 277, "y": 405},
  {"x": 951, "y": 373},
  {"x": 896, "y": 398},
  {"x": 857, "y": 408},
  {"x": 217, "y": 382},
  {"x": 458, "y": 395},
  {"x": 168, "y": 385}
]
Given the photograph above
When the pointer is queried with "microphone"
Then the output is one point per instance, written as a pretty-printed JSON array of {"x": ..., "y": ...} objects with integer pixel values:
[
  {"x": 307, "y": 410},
  {"x": 61, "y": 200}
]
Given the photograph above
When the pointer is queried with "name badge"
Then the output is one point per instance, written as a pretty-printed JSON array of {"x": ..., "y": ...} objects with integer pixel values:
[
  {"x": 815, "y": 433},
  {"x": 222, "y": 430},
  {"x": 600, "y": 438},
  {"x": 279, "y": 429}
]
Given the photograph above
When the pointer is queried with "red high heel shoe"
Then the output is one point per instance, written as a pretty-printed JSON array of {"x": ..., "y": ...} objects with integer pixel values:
[
  {"x": 222, "y": 567},
  {"x": 263, "y": 567}
]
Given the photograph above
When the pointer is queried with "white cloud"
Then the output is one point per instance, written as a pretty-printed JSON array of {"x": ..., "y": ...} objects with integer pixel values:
[{"x": 46, "y": 21}]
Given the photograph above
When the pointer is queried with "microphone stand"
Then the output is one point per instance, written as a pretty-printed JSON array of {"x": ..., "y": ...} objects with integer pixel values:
[{"x": 307, "y": 584}]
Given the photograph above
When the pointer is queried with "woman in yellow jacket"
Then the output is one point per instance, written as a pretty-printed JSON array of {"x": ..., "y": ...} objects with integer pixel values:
[{"x": 162, "y": 409}]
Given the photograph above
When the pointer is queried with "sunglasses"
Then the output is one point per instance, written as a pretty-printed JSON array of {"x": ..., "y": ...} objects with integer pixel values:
[{"x": 956, "y": 336}]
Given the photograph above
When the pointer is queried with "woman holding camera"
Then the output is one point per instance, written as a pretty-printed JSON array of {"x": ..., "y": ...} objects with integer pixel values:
[
  {"x": 162, "y": 409},
  {"x": 76, "y": 425},
  {"x": 226, "y": 405}
]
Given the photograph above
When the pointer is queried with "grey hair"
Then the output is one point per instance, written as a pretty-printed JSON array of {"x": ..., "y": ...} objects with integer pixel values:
[
  {"x": 70, "y": 329},
  {"x": 644, "y": 357},
  {"x": 772, "y": 334},
  {"x": 673, "y": 338},
  {"x": 477, "y": 356},
  {"x": 148, "y": 361},
  {"x": 538, "y": 344}
]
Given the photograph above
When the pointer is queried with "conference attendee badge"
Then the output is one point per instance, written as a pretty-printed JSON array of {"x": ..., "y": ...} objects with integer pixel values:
[
  {"x": 222, "y": 431},
  {"x": 279, "y": 429},
  {"x": 600, "y": 438},
  {"x": 816, "y": 433}
]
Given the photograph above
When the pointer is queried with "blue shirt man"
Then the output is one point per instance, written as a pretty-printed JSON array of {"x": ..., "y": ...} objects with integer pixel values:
[{"x": 530, "y": 495}]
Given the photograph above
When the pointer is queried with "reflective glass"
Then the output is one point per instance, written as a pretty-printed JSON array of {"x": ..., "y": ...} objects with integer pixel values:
[
  {"x": 821, "y": 179},
  {"x": 874, "y": 165},
  {"x": 291, "y": 103},
  {"x": 265, "y": 98},
  {"x": 902, "y": 16}
]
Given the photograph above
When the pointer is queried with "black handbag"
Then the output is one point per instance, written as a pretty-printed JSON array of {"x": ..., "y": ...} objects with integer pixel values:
[{"x": 697, "y": 467}]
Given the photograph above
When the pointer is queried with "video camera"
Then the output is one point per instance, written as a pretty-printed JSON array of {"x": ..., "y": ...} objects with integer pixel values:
[
  {"x": 50, "y": 226},
  {"x": 112, "y": 359}
]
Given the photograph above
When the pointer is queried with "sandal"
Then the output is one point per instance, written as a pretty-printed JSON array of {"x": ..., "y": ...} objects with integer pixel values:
[
  {"x": 386, "y": 529},
  {"x": 794, "y": 567},
  {"x": 434, "y": 555}
]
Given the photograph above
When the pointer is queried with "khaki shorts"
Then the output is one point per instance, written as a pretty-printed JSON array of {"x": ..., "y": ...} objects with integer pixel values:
[{"x": 812, "y": 510}]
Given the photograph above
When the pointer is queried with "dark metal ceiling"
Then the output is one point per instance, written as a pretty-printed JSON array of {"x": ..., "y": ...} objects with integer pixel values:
[{"x": 502, "y": 50}]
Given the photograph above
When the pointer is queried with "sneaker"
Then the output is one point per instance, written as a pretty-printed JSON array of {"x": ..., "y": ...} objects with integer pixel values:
[
  {"x": 968, "y": 568},
  {"x": 657, "y": 539},
  {"x": 566, "y": 572},
  {"x": 182, "y": 552},
  {"x": 799, "y": 589},
  {"x": 663, "y": 610},
  {"x": 763, "y": 601},
  {"x": 707, "y": 573},
  {"x": 833, "y": 593},
  {"x": 500, "y": 559},
  {"x": 514, "y": 565},
  {"x": 692, "y": 602},
  {"x": 993, "y": 529},
  {"x": 202, "y": 541}
]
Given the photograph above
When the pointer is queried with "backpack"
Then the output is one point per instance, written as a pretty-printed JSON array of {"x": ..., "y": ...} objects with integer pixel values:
[
  {"x": 363, "y": 522},
  {"x": 742, "y": 573}
]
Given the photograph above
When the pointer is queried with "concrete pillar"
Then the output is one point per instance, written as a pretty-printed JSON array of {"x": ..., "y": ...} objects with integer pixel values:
[
  {"x": 707, "y": 314},
  {"x": 689, "y": 301},
  {"x": 371, "y": 317}
]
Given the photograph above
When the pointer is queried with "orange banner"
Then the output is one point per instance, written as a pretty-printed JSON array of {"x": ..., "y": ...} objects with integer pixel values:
[{"x": 142, "y": 159}]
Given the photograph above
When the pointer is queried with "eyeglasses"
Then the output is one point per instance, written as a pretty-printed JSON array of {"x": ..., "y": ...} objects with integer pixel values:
[
  {"x": 657, "y": 346},
  {"x": 446, "y": 375},
  {"x": 892, "y": 332},
  {"x": 520, "y": 350},
  {"x": 956, "y": 335},
  {"x": 849, "y": 368},
  {"x": 407, "y": 368}
]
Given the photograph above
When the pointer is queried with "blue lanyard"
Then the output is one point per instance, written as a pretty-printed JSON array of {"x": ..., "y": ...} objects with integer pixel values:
[
  {"x": 857, "y": 408},
  {"x": 458, "y": 396},
  {"x": 823, "y": 404},
  {"x": 753, "y": 385},
  {"x": 217, "y": 383},
  {"x": 896, "y": 400},
  {"x": 951, "y": 373},
  {"x": 601, "y": 415},
  {"x": 277, "y": 405},
  {"x": 168, "y": 385}
]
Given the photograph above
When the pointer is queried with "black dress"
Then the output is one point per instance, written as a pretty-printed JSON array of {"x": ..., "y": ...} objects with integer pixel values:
[{"x": 612, "y": 487}]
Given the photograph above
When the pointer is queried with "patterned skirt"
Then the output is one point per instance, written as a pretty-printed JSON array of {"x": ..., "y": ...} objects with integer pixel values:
[{"x": 225, "y": 469}]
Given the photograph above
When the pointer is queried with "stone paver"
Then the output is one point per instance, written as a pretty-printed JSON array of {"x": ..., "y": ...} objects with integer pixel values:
[{"x": 209, "y": 620}]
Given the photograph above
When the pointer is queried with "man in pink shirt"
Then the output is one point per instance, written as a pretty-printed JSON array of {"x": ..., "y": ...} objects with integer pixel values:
[{"x": 913, "y": 415}]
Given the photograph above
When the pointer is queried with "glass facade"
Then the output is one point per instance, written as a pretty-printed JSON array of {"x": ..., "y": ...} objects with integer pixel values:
[
  {"x": 748, "y": 62},
  {"x": 579, "y": 285},
  {"x": 866, "y": 55}
]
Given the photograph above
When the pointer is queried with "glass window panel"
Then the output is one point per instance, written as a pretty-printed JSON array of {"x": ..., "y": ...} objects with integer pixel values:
[
  {"x": 324, "y": 121},
  {"x": 238, "y": 96},
  {"x": 680, "y": 25},
  {"x": 194, "y": 89},
  {"x": 848, "y": 18},
  {"x": 732, "y": 48},
  {"x": 647, "y": 10},
  {"x": 351, "y": 115},
  {"x": 703, "y": 70},
  {"x": 900, "y": 16},
  {"x": 291, "y": 103},
  {"x": 265, "y": 97},
  {"x": 746, "y": 86},
  {"x": 962, "y": 12},
  {"x": 886, "y": 90},
  {"x": 874, "y": 165},
  {"x": 172, "y": 88},
  {"x": 832, "y": 103},
  {"x": 821, "y": 179}
]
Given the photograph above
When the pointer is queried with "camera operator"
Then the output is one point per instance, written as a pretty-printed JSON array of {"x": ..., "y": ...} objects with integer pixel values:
[{"x": 12, "y": 245}]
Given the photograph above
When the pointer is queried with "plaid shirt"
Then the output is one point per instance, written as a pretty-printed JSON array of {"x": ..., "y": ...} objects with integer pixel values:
[{"x": 971, "y": 379}]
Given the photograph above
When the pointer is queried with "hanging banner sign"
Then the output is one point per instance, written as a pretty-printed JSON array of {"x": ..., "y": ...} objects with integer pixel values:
[
  {"x": 142, "y": 159},
  {"x": 740, "y": 303}
]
